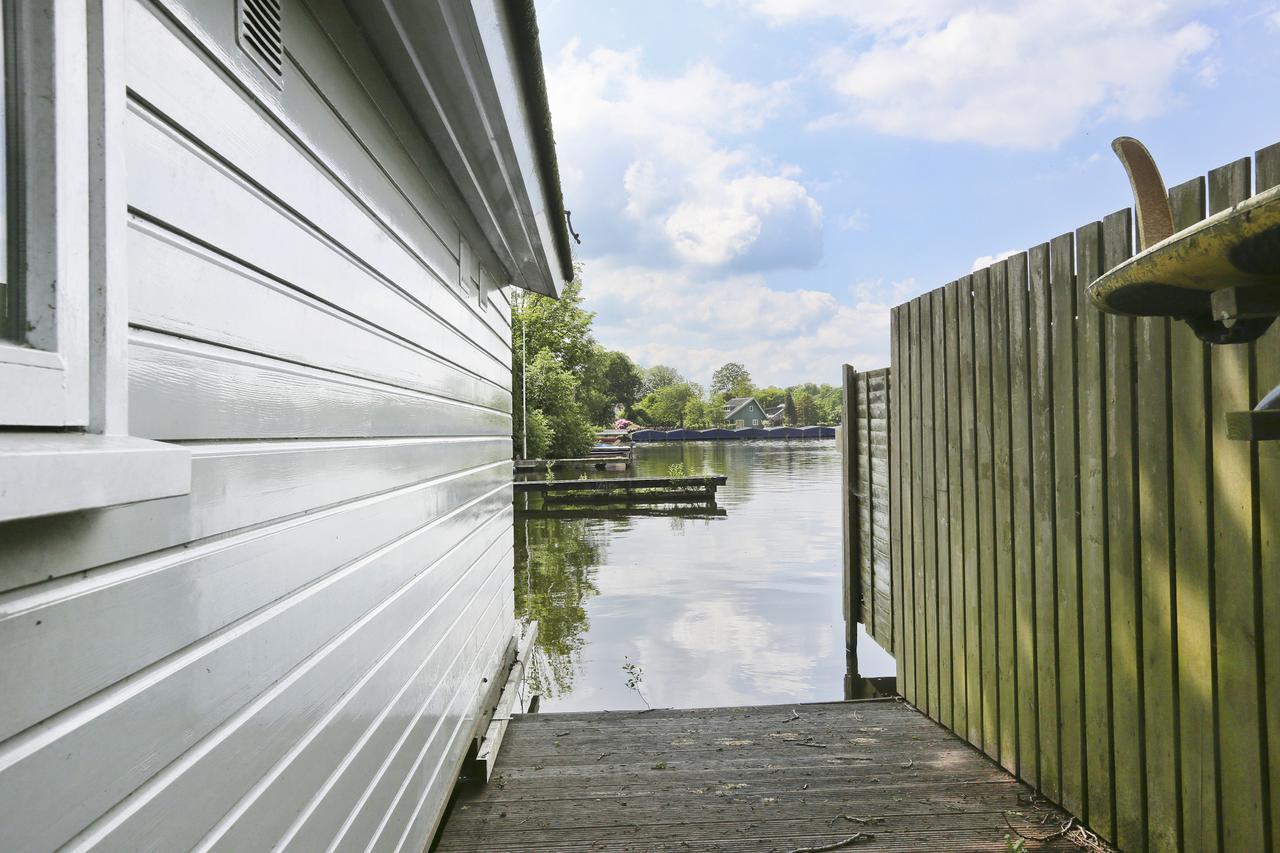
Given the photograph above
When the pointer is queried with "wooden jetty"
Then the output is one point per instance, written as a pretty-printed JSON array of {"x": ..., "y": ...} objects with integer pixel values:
[
  {"x": 625, "y": 490},
  {"x": 874, "y": 774},
  {"x": 690, "y": 511},
  {"x": 596, "y": 461}
]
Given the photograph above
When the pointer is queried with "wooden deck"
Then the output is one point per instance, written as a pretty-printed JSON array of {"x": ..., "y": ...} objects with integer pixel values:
[{"x": 875, "y": 773}]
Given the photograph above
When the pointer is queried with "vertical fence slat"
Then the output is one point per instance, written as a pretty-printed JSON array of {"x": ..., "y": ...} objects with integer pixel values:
[
  {"x": 1006, "y": 671},
  {"x": 955, "y": 507},
  {"x": 1157, "y": 572},
  {"x": 849, "y": 476},
  {"x": 1159, "y": 600},
  {"x": 942, "y": 546},
  {"x": 919, "y": 568},
  {"x": 986, "y": 513},
  {"x": 1044, "y": 530},
  {"x": 1189, "y": 377},
  {"x": 1092, "y": 383},
  {"x": 928, "y": 505},
  {"x": 1267, "y": 170},
  {"x": 864, "y": 488},
  {"x": 1067, "y": 525},
  {"x": 878, "y": 437},
  {"x": 1124, "y": 558},
  {"x": 1236, "y": 576},
  {"x": 1022, "y": 520},
  {"x": 911, "y": 653},
  {"x": 969, "y": 504},
  {"x": 898, "y": 518},
  {"x": 911, "y": 396}
]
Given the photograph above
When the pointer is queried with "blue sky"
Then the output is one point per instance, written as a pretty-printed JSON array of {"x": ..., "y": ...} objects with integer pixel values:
[{"x": 761, "y": 180}]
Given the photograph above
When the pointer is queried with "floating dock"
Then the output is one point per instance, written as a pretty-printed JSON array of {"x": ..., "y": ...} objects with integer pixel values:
[
  {"x": 721, "y": 434},
  {"x": 863, "y": 775},
  {"x": 625, "y": 490},
  {"x": 597, "y": 461}
]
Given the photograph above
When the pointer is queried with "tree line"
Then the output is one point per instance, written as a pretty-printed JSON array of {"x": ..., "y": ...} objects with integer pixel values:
[
  {"x": 568, "y": 386},
  {"x": 671, "y": 400}
]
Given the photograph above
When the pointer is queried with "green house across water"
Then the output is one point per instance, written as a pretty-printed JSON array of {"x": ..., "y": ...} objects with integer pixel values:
[{"x": 744, "y": 412}]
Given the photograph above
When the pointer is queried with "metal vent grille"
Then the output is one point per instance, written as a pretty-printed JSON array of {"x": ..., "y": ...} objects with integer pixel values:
[{"x": 261, "y": 35}]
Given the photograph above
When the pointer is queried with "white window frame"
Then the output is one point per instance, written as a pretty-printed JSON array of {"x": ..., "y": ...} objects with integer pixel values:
[
  {"x": 71, "y": 372},
  {"x": 44, "y": 381}
]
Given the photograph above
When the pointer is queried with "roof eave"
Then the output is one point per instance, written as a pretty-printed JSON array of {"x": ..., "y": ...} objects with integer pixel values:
[{"x": 471, "y": 74}]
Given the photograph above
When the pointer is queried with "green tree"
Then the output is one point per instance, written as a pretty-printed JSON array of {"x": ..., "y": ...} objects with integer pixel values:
[
  {"x": 789, "y": 412},
  {"x": 715, "y": 409},
  {"x": 559, "y": 326},
  {"x": 770, "y": 397},
  {"x": 552, "y": 393},
  {"x": 622, "y": 381},
  {"x": 829, "y": 402},
  {"x": 660, "y": 376},
  {"x": 561, "y": 375},
  {"x": 732, "y": 380},
  {"x": 666, "y": 406},
  {"x": 806, "y": 411},
  {"x": 540, "y": 436},
  {"x": 696, "y": 414}
]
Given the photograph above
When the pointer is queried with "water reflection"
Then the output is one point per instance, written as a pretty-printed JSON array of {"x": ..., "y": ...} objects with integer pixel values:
[{"x": 739, "y": 605}]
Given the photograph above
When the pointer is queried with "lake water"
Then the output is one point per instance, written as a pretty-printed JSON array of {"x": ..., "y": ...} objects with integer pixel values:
[{"x": 742, "y": 608}]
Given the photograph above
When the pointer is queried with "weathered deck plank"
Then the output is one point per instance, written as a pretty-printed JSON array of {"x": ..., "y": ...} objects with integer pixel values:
[{"x": 780, "y": 777}]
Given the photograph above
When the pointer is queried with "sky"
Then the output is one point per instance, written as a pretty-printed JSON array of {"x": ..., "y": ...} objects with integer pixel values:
[{"x": 762, "y": 180}]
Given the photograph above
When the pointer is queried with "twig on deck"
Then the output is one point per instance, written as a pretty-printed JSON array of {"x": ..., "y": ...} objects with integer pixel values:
[
  {"x": 1063, "y": 830},
  {"x": 865, "y": 821},
  {"x": 856, "y": 838}
]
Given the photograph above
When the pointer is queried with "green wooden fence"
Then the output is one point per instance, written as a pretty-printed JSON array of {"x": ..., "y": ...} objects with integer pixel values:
[
  {"x": 864, "y": 445},
  {"x": 1085, "y": 569}
]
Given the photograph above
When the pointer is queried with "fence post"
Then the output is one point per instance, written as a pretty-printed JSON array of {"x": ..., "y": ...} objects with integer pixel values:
[{"x": 849, "y": 480}]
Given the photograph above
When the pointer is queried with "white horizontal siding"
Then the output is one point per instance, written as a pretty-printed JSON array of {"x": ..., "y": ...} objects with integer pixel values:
[
  {"x": 293, "y": 653},
  {"x": 265, "y": 237},
  {"x": 188, "y": 98},
  {"x": 230, "y": 578},
  {"x": 183, "y": 390}
]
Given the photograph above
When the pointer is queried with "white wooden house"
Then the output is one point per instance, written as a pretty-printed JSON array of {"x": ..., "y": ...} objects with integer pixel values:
[{"x": 255, "y": 435}]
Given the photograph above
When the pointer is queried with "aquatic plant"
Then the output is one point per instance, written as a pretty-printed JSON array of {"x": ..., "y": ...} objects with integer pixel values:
[{"x": 635, "y": 675}]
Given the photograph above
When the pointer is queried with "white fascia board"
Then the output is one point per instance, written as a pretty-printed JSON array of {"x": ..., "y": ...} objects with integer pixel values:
[
  {"x": 48, "y": 473},
  {"x": 500, "y": 52},
  {"x": 454, "y": 66}
]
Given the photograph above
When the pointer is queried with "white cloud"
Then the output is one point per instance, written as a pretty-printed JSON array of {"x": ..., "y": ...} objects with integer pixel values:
[
  {"x": 984, "y": 261},
  {"x": 663, "y": 151},
  {"x": 695, "y": 325},
  {"x": 855, "y": 221},
  {"x": 1004, "y": 72}
]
